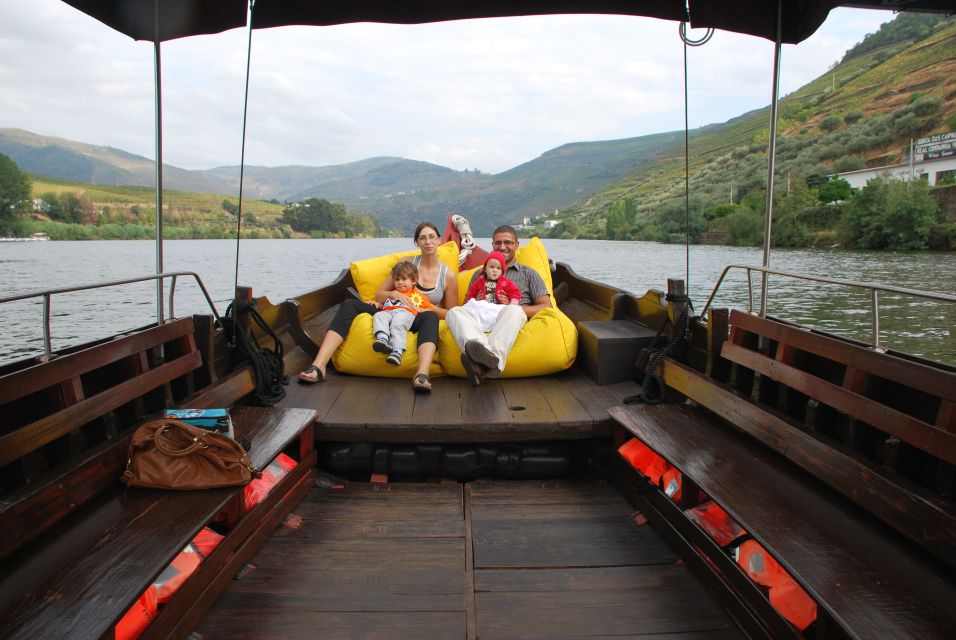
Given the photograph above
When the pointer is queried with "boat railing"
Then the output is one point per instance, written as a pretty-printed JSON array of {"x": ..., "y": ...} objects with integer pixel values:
[
  {"x": 873, "y": 289},
  {"x": 48, "y": 294}
]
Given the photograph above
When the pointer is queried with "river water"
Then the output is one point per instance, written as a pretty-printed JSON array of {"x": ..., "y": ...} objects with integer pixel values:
[{"x": 283, "y": 268}]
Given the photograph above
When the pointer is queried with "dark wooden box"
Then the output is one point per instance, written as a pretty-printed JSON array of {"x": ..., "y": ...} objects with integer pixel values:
[{"x": 607, "y": 349}]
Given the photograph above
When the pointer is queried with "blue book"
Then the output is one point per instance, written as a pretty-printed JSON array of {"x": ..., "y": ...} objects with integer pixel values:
[{"x": 212, "y": 419}]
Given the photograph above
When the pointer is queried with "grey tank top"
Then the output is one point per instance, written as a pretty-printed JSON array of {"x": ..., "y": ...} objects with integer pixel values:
[{"x": 436, "y": 294}]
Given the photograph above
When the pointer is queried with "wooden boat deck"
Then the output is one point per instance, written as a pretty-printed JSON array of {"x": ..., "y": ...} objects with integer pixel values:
[
  {"x": 355, "y": 409},
  {"x": 487, "y": 559}
]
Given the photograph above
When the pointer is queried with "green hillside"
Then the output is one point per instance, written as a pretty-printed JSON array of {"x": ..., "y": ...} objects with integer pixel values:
[
  {"x": 77, "y": 211},
  {"x": 862, "y": 113}
]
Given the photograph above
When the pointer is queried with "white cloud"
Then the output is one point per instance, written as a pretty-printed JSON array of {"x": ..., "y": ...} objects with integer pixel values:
[{"x": 487, "y": 94}]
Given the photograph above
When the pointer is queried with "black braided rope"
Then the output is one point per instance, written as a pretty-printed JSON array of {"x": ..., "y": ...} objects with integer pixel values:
[
  {"x": 267, "y": 364},
  {"x": 652, "y": 386}
]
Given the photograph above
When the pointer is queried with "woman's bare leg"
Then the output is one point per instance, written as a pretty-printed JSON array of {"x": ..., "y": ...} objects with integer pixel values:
[
  {"x": 426, "y": 353},
  {"x": 330, "y": 343}
]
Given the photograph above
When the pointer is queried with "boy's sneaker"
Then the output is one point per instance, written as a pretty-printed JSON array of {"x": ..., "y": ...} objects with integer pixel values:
[
  {"x": 381, "y": 344},
  {"x": 395, "y": 357}
]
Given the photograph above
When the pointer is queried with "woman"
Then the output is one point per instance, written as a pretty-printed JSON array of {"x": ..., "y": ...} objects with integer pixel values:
[{"x": 435, "y": 280}]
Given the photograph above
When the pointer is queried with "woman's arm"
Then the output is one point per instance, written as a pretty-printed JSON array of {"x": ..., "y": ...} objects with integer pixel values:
[{"x": 450, "y": 298}]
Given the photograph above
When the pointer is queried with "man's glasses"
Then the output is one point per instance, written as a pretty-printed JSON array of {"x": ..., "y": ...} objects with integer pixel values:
[{"x": 503, "y": 243}]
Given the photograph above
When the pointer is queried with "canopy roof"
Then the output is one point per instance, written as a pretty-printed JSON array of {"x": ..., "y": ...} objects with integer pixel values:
[{"x": 180, "y": 18}]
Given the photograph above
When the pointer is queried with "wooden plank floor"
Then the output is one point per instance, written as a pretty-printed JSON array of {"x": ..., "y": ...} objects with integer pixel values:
[
  {"x": 359, "y": 409},
  {"x": 489, "y": 559}
]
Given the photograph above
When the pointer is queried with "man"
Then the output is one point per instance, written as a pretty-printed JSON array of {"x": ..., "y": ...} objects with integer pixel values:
[{"x": 485, "y": 355}]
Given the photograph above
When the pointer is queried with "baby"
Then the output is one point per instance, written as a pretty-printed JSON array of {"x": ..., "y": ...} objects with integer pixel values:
[
  {"x": 487, "y": 295},
  {"x": 390, "y": 325}
]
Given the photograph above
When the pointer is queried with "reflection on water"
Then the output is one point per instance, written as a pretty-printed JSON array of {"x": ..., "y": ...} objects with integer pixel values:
[{"x": 284, "y": 268}]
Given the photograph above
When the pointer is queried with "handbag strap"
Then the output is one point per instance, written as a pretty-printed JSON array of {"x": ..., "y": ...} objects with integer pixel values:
[{"x": 161, "y": 441}]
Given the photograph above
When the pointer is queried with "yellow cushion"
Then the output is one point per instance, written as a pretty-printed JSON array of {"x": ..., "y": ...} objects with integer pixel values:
[
  {"x": 356, "y": 355},
  {"x": 368, "y": 275},
  {"x": 531, "y": 255},
  {"x": 548, "y": 343}
]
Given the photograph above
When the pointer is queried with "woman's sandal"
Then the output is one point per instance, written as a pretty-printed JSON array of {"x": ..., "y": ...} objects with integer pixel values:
[
  {"x": 421, "y": 384},
  {"x": 319, "y": 376}
]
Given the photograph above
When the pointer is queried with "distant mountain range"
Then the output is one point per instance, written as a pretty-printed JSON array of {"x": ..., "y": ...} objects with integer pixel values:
[
  {"x": 907, "y": 65},
  {"x": 400, "y": 192}
]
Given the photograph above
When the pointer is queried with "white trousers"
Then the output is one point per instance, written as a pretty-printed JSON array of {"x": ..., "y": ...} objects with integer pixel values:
[
  {"x": 485, "y": 313},
  {"x": 465, "y": 329}
]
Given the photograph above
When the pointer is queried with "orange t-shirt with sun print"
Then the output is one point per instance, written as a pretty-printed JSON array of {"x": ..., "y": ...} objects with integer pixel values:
[{"x": 417, "y": 297}]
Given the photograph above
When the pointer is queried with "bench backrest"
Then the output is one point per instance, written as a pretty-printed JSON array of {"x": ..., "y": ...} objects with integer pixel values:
[
  {"x": 880, "y": 429},
  {"x": 886, "y": 403},
  {"x": 67, "y": 422}
]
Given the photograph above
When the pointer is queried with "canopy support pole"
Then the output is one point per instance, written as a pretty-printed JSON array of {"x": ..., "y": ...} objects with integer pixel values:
[
  {"x": 772, "y": 153},
  {"x": 158, "y": 79},
  {"x": 242, "y": 154}
]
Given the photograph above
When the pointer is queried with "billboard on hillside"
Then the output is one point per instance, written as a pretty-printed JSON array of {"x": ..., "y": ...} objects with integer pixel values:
[{"x": 941, "y": 145}]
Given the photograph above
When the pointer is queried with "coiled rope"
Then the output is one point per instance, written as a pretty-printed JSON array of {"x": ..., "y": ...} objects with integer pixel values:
[
  {"x": 266, "y": 363},
  {"x": 652, "y": 386}
]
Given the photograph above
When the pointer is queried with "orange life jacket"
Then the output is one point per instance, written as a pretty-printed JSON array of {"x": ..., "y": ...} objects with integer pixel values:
[
  {"x": 644, "y": 459},
  {"x": 786, "y": 596},
  {"x": 716, "y": 523},
  {"x": 132, "y": 625}
]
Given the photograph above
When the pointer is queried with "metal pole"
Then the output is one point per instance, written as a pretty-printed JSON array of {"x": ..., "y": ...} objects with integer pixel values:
[
  {"x": 242, "y": 154},
  {"x": 686, "y": 178},
  {"x": 772, "y": 152},
  {"x": 158, "y": 79}
]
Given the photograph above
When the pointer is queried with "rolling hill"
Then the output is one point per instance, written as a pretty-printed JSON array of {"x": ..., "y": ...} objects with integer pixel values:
[{"x": 896, "y": 84}]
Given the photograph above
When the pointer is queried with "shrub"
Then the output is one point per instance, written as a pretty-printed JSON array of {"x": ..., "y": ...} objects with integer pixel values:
[
  {"x": 951, "y": 122},
  {"x": 830, "y": 123},
  {"x": 890, "y": 214},
  {"x": 928, "y": 106},
  {"x": 745, "y": 227},
  {"x": 907, "y": 125},
  {"x": 848, "y": 163},
  {"x": 836, "y": 189},
  {"x": 853, "y": 117},
  {"x": 942, "y": 237}
]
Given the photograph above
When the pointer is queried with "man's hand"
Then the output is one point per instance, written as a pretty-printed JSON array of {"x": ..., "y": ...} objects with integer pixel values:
[
  {"x": 375, "y": 303},
  {"x": 542, "y": 302}
]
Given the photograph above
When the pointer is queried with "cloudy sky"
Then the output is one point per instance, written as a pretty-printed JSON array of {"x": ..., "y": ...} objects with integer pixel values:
[{"x": 485, "y": 94}]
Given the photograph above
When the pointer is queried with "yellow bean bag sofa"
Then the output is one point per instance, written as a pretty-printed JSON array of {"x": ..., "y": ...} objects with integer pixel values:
[
  {"x": 548, "y": 343},
  {"x": 356, "y": 355}
]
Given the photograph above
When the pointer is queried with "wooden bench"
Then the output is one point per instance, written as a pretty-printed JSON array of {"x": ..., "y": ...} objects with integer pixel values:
[
  {"x": 835, "y": 458},
  {"x": 78, "y": 547}
]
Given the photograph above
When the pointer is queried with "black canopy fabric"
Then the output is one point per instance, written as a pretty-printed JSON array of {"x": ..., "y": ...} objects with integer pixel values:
[
  {"x": 179, "y": 18},
  {"x": 276, "y": 13}
]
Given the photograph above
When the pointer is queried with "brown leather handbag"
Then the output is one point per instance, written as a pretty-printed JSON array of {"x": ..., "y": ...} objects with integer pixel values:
[{"x": 169, "y": 454}]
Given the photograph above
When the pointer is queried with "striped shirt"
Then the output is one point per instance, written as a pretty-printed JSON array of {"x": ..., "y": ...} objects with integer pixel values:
[{"x": 527, "y": 280}]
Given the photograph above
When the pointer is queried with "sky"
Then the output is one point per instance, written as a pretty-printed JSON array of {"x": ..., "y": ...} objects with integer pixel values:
[{"x": 478, "y": 94}]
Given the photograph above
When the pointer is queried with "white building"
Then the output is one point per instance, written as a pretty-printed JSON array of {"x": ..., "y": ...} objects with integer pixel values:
[{"x": 934, "y": 158}]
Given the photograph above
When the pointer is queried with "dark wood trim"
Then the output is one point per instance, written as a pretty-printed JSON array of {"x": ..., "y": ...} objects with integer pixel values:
[
  {"x": 905, "y": 509},
  {"x": 40, "y": 376},
  {"x": 218, "y": 575},
  {"x": 873, "y": 583},
  {"x": 904, "y": 426},
  {"x": 39, "y": 433},
  {"x": 911, "y": 374},
  {"x": 743, "y": 599}
]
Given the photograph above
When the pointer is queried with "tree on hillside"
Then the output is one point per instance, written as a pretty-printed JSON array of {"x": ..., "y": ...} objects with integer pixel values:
[
  {"x": 890, "y": 214},
  {"x": 621, "y": 217},
  {"x": 834, "y": 190},
  {"x": 15, "y": 190}
]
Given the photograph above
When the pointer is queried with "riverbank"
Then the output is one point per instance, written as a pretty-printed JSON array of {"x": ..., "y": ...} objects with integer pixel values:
[{"x": 280, "y": 270}]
